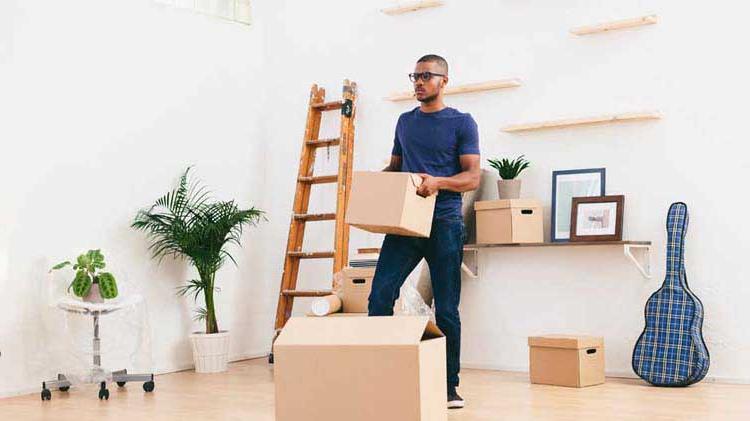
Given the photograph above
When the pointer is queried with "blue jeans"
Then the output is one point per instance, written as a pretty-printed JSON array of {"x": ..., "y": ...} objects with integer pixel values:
[{"x": 443, "y": 251}]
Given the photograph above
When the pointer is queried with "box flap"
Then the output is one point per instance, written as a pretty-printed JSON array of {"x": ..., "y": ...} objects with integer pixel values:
[
  {"x": 506, "y": 203},
  {"x": 567, "y": 341},
  {"x": 385, "y": 330}
]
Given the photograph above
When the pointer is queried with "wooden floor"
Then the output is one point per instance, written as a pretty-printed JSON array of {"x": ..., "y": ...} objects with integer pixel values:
[{"x": 246, "y": 393}]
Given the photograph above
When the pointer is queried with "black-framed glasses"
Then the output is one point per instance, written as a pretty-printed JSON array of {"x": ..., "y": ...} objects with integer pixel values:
[{"x": 424, "y": 76}]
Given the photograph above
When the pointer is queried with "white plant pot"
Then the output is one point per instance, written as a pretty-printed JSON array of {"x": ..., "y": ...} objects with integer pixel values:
[
  {"x": 210, "y": 351},
  {"x": 94, "y": 296},
  {"x": 509, "y": 189}
]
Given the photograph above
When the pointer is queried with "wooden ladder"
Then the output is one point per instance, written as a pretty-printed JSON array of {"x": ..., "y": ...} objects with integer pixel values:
[{"x": 305, "y": 181}]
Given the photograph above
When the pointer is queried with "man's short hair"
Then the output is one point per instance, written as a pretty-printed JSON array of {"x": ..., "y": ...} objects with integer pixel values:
[{"x": 434, "y": 58}]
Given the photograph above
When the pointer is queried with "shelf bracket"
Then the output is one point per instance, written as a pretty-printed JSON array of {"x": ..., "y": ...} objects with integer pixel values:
[
  {"x": 645, "y": 267},
  {"x": 470, "y": 265}
]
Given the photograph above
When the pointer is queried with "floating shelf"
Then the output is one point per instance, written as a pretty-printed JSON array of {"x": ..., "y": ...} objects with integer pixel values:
[
  {"x": 464, "y": 89},
  {"x": 586, "y": 121},
  {"x": 411, "y": 7},
  {"x": 471, "y": 263},
  {"x": 615, "y": 25}
]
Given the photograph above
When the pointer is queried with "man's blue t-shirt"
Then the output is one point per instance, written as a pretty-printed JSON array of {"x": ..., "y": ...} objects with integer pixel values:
[{"x": 431, "y": 143}]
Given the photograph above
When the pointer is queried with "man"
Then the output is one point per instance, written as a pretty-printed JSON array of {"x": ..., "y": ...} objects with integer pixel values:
[{"x": 440, "y": 144}]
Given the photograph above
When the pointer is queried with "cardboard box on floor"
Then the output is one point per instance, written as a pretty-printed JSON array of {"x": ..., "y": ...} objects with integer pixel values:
[
  {"x": 565, "y": 360},
  {"x": 388, "y": 203},
  {"x": 509, "y": 221},
  {"x": 360, "y": 368},
  {"x": 355, "y": 291}
]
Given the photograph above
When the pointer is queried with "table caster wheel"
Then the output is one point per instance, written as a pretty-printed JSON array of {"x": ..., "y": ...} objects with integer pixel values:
[
  {"x": 103, "y": 392},
  {"x": 46, "y": 395},
  {"x": 149, "y": 386}
]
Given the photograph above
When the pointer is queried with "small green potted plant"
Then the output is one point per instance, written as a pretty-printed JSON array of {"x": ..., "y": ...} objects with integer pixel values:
[
  {"x": 89, "y": 282},
  {"x": 187, "y": 223},
  {"x": 509, "y": 186}
]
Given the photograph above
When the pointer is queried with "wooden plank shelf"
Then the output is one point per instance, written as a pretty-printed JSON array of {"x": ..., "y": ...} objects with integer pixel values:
[
  {"x": 470, "y": 265},
  {"x": 558, "y": 244},
  {"x": 411, "y": 7},
  {"x": 490, "y": 85},
  {"x": 615, "y": 25},
  {"x": 585, "y": 121},
  {"x": 471, "y": 260}
]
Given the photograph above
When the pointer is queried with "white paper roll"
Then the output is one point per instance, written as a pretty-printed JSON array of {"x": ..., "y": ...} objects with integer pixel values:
[{"x": 324, "y": 306}]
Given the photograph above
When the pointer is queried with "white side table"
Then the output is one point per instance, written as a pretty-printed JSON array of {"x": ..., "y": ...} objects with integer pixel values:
[{"x": 98, "y": 374}]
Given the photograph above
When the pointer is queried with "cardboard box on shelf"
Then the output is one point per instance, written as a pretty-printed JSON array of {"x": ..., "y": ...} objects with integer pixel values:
[
  {"x": 509, "y": 221},
  {"x": 388, "y": 203},
  {"x": 360, "y": 368},
  {"x": 566, "y": 360}
]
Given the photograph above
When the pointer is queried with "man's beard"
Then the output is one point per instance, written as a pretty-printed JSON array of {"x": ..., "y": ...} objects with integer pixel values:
[{"x": 428, "y": 99}]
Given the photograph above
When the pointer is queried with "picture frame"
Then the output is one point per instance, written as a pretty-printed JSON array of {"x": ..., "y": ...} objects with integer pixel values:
[
  {"x": 597, "y": 218},
  {"x": 567, "y": 184}
]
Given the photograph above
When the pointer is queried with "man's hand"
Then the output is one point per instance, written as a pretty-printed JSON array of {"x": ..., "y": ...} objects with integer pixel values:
[{"x": 430, "y": 185}]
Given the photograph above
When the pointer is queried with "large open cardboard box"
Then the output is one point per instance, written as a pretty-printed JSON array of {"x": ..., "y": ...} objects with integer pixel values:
[
  {"x": 388, "y": 203},
  {"x": 360, "y": 368}
]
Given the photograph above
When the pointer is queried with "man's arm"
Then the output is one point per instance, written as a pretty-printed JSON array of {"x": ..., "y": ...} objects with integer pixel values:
[
  {"x": 466, "y": 180},
  {"x": 395, "y": 165}
]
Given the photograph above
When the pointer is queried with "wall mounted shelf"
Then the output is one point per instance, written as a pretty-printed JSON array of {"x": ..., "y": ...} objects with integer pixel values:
[
  {"x": 643, "y": 265},
  {"x": 470, "y": 265},
  {"x": 464, "y": 89},
  {"x": 585, "y": 121},
  {"x": 411, "y": 7},
  {"x": 615, "y": 25}
]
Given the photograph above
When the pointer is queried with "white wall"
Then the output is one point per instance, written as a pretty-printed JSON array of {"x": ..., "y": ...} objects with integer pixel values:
[
  {"x": 89, "y": 87},
  {"x": 683, "y": 66},
  {"x": 104, "y": 103}
]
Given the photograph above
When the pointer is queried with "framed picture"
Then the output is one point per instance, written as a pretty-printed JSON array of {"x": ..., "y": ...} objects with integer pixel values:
[
  {"x": 597, "y": 218},
  {"x": 566, "y": 185}
]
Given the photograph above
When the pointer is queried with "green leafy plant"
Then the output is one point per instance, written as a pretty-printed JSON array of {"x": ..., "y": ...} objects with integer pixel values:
[
  {"x": 508, "y": 169},
  {"x": 187, "y": 224},
  {"x": 87, "y": 267}
]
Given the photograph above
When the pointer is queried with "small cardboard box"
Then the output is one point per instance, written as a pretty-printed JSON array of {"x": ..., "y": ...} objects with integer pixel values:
[
  {"x": 360, "y": 368},
  {"x": 563, "y": 360},
  {"x": 509, "y": 221},
  {"x": 355, "y": 292},
  {"x": 388, "y": 203}
]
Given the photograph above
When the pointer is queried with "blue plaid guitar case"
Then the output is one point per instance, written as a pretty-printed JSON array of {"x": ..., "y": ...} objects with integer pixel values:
[{"x": 671, "y": 350}]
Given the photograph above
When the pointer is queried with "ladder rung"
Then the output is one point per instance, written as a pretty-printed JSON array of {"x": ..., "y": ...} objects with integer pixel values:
[
  {"x": 306, "y": 292},
  {"x": 311, "y": 254},
  {"x": 315, "y": 217},
  {"x": 323, "y": 179},
  {"x": 320, "y": 143},
  {"x": 328, "y": 106}
]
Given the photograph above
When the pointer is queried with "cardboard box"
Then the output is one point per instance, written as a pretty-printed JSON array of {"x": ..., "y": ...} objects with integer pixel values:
[
  {"x": 388, "y": 203},
  {"x": 360, "y": 368},
  {"x": 563, "y": 360},
  {"x": 509, "y": 221},
  {"x": 355, "y": 292}
]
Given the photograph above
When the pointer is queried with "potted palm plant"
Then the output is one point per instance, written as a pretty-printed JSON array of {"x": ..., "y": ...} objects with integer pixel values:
[
  {"x": 509, "y": 186},
  {"x": 187, "y": 223}
]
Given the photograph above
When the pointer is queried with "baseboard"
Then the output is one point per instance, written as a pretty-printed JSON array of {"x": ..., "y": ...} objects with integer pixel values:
[
  {"x": 158, "y": 371},
  {"x": 613, "y": 374}
]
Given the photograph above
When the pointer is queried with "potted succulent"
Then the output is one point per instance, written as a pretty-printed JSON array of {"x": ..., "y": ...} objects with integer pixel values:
[
  {"x": 509, "y": 186},
  {"x": 89, "y": 282},
  {"x": 187, "y": 223}
]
